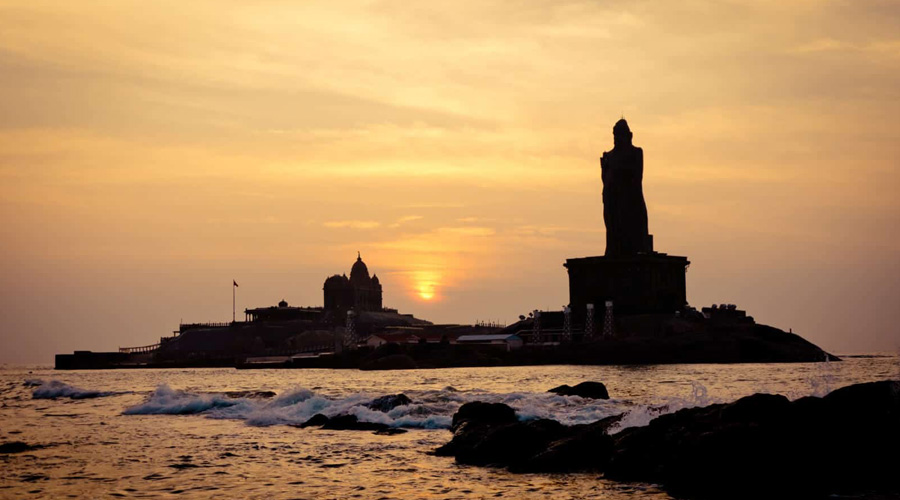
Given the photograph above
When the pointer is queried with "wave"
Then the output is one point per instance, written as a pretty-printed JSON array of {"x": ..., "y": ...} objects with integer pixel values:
[
  {"x": 167, "y": 401},
  {"x": 641, "y": 415},
  {"x": 56, "y": 389},
  {"x": 430, "y": 409}
]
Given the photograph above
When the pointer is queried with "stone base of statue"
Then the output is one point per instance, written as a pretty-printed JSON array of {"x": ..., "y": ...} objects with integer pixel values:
[{"x": 647, "y": 283}]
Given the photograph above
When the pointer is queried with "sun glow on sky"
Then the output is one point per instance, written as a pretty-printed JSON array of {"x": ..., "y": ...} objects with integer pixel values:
[
  {"x": 150, "y": 152},
  {"x": 426, "y": 284}
]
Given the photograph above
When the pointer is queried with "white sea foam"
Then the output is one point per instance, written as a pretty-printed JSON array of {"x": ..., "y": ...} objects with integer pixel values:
[
  {"x": 432, "y": 409},
  {"x": 641, "y": 415},
  {"x": 166, "y": 401},
  {"x": 429, "y": 410},
  {"x": 56, "y": 389}
]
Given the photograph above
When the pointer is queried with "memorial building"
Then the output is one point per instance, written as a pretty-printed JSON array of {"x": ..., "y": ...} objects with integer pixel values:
[{"x": 631, "y": 274}]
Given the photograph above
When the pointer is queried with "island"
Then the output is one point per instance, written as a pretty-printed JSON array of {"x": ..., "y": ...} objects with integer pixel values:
[{"x": 628, "y": 306}]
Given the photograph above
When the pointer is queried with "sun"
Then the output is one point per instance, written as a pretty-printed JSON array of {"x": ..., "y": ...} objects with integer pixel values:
[
  {"x": 425, "y": 290},
  {"x": 425, "y": 285}
]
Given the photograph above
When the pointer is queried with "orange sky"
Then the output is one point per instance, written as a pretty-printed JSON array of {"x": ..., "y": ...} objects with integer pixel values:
[{"x": 151, "y": 152}]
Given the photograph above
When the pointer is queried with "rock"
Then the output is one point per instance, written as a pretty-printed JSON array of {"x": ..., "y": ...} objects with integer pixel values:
[
  {"x": 18, "y": 447},
  {"x": 758, "y": 446},
  {"x": 351, "y": 423},
  {"x": 490, "y": 434},
  {"x": 317, "y": 420},
  {"x": 347, "y": 423},
  {"x": 389, "y": 402},
  {"x": 844, "y": 442},
  {"x": 486, "y": 435},
  {"x": 586, "y": 447},
  {"x": 483, "y": 413},
  {"x": 390, "y": 431},
  {"x": 592, "y": 390},
  {"x": 510, "y": 444}
]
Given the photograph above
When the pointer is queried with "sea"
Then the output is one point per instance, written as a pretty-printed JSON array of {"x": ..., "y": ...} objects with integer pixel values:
[{"x": 214, "y": 433}]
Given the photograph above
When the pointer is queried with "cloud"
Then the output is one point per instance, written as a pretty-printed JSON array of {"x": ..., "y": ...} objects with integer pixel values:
[
  {"x": 405, "y": 219},
  {"x": 353, "y": 224}
]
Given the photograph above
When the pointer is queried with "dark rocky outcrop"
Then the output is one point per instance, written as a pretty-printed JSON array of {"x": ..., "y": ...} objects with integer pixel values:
[
  {"x": 758, "y": 446},
  {"x": 592, "y": 390},
  {"x": 391, "y": 431},
  {"x": 481, "y": 413},
  {"x": 504, "y": 445},
  {"x": 349, "y": 423},
  {"x": 317, "y": 420},
  {"x": 18, "y": 447},
  {"x": 389, "y": 402},
  {"x": 584, "y": 447}
]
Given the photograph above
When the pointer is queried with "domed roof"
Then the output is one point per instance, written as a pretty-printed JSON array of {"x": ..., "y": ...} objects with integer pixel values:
[
  {"x": 359, "y": 273},
  {"x": 375, "y": 280},
  {"x": 621, "y": 126},
  {"x": 336, "y": 280},
  {"x": 283, "y": 303}
]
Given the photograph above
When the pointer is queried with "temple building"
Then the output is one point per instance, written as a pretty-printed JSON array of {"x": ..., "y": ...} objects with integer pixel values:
[{"x": 359, "y": 291}]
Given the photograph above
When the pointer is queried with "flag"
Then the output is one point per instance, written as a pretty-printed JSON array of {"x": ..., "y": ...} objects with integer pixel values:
[{"x": 235, "y": 283}]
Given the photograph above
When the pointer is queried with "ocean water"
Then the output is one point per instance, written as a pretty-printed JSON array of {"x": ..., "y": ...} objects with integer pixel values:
[{"x": 167, "y": 433}]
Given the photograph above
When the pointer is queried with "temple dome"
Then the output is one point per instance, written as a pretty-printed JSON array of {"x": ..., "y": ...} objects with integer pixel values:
[
  {"x": 336, "y": 281},
  {"x": 359, "y": 273}
]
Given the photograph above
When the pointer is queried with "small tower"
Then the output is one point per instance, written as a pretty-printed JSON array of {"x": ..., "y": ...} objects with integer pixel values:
[
  {"x": 536, "y": 337},
  {"x": 567, "y": 325},
  {"x": 589, "y": 323},
  {"x": 609, "y": 327},
  {"x": 350, "y": 339}
]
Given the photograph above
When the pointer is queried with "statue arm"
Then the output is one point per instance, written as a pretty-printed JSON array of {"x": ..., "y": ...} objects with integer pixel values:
[{"x": 604, "y": 164}]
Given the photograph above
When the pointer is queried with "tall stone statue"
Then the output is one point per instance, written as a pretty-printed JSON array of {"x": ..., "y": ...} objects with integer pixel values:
[{"x": 624, "y": 210}]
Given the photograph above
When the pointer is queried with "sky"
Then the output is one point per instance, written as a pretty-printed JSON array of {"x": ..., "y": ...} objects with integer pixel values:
[{"x": 152, "y": 152}]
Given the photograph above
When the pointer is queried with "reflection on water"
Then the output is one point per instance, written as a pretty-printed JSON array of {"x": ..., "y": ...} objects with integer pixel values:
[{"x": 153, "y": 433}]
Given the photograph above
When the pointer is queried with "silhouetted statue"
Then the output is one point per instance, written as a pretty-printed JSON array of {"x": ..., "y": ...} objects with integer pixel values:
[{"x": 624, "y": 210}]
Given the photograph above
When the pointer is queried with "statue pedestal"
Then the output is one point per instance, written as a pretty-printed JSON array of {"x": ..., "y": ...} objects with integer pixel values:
[{"x": 651, "y": 283}]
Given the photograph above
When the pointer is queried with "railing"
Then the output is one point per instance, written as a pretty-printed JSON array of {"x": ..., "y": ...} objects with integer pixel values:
[
  {"x": 527, "y": 333},
  {"x": 315, "y": 348},
  {"x": 490, "y": 324},
  {"x": 138, "y": 350},
  {"x": 188, "y": 326}
]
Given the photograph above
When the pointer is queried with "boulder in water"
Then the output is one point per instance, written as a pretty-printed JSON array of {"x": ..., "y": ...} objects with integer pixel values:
[
  {"x": 389, "y": 402},
  {"x": 592, "y": 390},
  {"x": 18, "y": 447},
  {"x": 584, "y": 447},
  {"x": 843, "y": 443},
  {"x": 391, "y": 431},
  {"x": 317, "y": 420},
  {"x": 483, "y": 413}
]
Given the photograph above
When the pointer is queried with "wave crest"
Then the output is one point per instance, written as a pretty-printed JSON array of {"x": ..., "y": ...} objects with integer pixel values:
[
  {"x": 167, "y": 401},
  {"x": 56, "y": 389}
]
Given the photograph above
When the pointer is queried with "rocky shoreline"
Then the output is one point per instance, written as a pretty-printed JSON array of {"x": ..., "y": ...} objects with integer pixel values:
[
  {"x": 760, "y": 446},
  {"x": 752, "y": 343}
]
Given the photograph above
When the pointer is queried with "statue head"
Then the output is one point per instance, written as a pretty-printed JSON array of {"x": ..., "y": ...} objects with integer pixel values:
[{"x": 621, "y": 133}]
